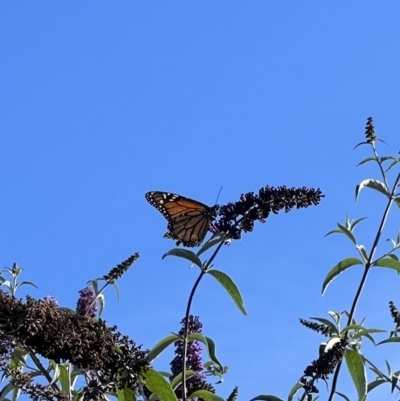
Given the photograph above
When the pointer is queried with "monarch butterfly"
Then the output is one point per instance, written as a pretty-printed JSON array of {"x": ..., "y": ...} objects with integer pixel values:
[{"x": 188, "y": 220}]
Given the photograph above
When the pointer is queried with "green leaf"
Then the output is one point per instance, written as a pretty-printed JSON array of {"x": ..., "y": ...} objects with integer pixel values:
[
  {"x": 335, "y": 231},
  {"x": 335, "y": 316},
  {"x": 56, "y": 369},
  {"x": 353, "y": 327},
  {"x": 363, "y": 252},
  {"x": 339, "y": 268},
  {"x": 378, "y": 373},
  {"x": 342, "y": 395},
  {"x": 205, "y": 395},
  {"x": 185, "y": 254},
  {"x": 327, "y": 323},
  {"x": 390, "y": 340},
  {"x": 356, "y": 367},
  {"x": 27, "y": 283},
  {"x": 18, "y": 358},
  {"x": 389, "y": 369},
  {"x": 391, "y": 165},
  {"x": 125, "y": 394},
  {"x": 158, "y": 385},
  {"x": 209, "y": 244},
  {"x": 361, "y": 143},
  {"x": 393, "y": 256},
  {"x": 368, "y": 159},
  {"x": 388, "y": 262},
  {"x": 294, "y": 390},
  {"x": 364, "y": 333},
  {"x": 230, "y": 287},
  {"x": 65, "y": 379},
  {"x": 165, "y": 374},
  {"x": 267, "y": 398},
  {"x": 101, "y": 301},
  {"x": 394, "y": 381},
  {"x": 374, "y": 384},
  {"x": 94, "y": 285},
  {"x": 353, "y": 223},
  {"x": 162, "y": 345},
  {"x": 5, "y": 390},
  {"x": 178, "y": 379},
  {"x": 348, "y": 233},
  {"x": 77, "y": 396},
  {"x": 116, "y": 290},
  {"x": 373, "y": 184},
  {"x": 210, "y": 346},
  {"x": 7, "y": 284},
  {"x": 397, "y": 201},
  {"x": 385, "y": 158}
]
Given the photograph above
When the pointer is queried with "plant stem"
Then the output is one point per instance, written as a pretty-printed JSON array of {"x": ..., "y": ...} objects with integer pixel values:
[
  {"x": 364, "y": 278},
  {"x": 42, "y": 369},
  {"x": 188, "y": 307}
]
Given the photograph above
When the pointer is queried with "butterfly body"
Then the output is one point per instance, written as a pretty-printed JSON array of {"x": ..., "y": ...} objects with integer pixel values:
[{"x": 188, "y": 219}]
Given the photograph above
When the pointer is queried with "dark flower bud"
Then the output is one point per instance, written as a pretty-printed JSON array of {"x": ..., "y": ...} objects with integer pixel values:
[{"x": 117, "y": 271}]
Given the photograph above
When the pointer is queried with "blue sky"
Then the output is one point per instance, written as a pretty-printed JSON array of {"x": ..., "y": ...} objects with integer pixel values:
[{"x": 101, "y": 102}]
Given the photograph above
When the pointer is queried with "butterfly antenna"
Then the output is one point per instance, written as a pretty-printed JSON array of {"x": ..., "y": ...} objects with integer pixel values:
[{"x": 219, "y": 193}]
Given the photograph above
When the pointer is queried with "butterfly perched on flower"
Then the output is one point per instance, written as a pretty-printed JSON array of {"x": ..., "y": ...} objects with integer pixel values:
[{"x": 188, "y": 219}]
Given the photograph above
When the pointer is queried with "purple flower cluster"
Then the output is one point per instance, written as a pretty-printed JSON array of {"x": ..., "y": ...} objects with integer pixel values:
[
  {"x": 240, "y": 216},
  {"x": 86, "y": 305},
  {"x": 193, "y": 360}
]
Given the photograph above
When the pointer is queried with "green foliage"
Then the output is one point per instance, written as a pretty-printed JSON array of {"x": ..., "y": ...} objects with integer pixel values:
[{"x": 341, "y": 348}]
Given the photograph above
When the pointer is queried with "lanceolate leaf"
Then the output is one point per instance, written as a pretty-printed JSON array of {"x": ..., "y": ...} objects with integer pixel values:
[
  {"x": 327, "y": 323},
  {"x": 335, "y": 231},
  {"x": 343, "y": 396},
  {"x": 209, "y": 244},
  {"x": 394, "y": 381},
  {"x": 368, "y": 159},
  {"x": 267, "y": 398},
  {"x": 65, "y": 379},
  {"x": 206, "y": 395},
  {"x": 185, "y": 254},
  {"x": 5, "y": 390},
  {"x": 101, "y": 301},
  {"x": 385, "y": 158},
  {"x": 373, "y": 184},
  {"x": 363, "y": 252},
  {"x": 210, "y": 346},
  {"x": 160, "y": 346},
  {"x": 359, "y": 144},
  {"x": 374, "y": 384},
  {"x": 178, "y": 379},
  {"x": 230, "y": 287},
  {"x": 56, "y": 369},
  {"x": 391, "y": 165},
  {"x": 27, "y": 283},
  {"x": 348, "y": 233},
  {"x": 356, "y": 367},
  {"x": 125, "y": 394},
  {"x": 388, "y": 262},
  {"x": 294, "y": 390},
  {"x": 339, "y": 268},
  {"x": 354, "y": 223},
  {"x": 157, "y": 384},
  {"x": 390, "y": 340},
  {"x": 365, "y": 333},
  {"x": 388, "y": 367}
]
